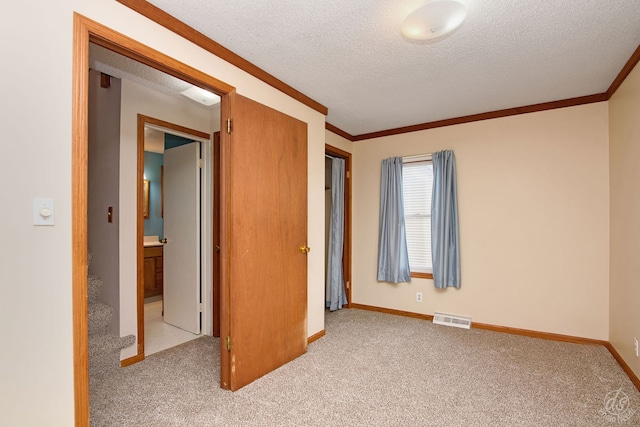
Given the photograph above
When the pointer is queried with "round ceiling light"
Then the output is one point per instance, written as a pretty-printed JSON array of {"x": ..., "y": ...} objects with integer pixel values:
[{"x": 434, "y": 20}]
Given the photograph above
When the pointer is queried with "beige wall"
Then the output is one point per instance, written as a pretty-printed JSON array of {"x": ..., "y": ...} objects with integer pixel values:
[
  {"x": 624, "y": 152},
  {"x": 338, "y": 142},
  {"x": 533, "y": 194},
  {"x": 36, "y": 38}
]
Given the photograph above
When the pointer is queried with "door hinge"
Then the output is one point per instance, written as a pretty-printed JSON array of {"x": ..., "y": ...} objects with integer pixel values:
[
  {"x": 228, "y": 125},
  {"x": 348, "y": 284},
  {"x": 228, "y": 342},
  {"x": 200, "y": 163},
  {"x": 348, "y": 174},
  {"x": 200, "y": 307}
]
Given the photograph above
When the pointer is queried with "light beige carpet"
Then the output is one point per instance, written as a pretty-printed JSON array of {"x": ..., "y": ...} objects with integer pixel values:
[{"x": 374, "y": 369}]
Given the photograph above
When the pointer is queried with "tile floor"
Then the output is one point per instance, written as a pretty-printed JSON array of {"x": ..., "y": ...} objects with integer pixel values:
[{"x": 158, "y": 335}]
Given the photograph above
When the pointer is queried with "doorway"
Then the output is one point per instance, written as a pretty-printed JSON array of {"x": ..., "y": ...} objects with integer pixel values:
[
  {"x": 174, "y": 280},
  {"x": 144, "y": 89},
  {"x": 330, "y": 154}
]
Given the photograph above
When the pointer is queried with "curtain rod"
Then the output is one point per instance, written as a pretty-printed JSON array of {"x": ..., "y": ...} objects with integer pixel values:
[
  {"x": 417, "y": 158},
  {"x": 331, "y": 157}
]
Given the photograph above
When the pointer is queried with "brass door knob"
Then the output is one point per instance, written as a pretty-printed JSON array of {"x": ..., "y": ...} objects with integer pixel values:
[{"x": 305, "y": 249}]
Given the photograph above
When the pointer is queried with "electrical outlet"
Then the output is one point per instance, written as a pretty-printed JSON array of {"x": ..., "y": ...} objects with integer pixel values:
[
  {"x": 419, "y": 299},
  {"x": 635, "y": 345}
]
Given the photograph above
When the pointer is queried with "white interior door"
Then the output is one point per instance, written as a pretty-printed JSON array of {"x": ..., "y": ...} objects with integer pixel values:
[{"x": 182, "y": 230}]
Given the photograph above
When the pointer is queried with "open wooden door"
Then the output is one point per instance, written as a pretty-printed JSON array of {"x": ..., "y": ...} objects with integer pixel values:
[{"x": 265, "y": 177}]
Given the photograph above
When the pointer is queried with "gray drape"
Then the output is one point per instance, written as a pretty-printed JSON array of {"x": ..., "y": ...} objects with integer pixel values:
[
  {"x": 393, "y": 255},
  {"x": 336, "y": 296},
  {"x": 445, "y": 236}
]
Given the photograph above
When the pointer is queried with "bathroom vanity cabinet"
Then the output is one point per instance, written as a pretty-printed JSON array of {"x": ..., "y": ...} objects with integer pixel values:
[{"x": 152, "y": 271}]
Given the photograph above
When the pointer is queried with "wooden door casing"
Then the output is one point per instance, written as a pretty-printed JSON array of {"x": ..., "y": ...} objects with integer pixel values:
[{"x": 216, "y": 235}]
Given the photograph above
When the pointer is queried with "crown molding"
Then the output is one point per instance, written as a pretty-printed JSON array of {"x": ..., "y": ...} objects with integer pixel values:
[
  {"x": 626, "y": 70},
  {"x": 571, "y": 102},
  {"x": 485, "y": 116},
  {"x": 328, "y": 126}
]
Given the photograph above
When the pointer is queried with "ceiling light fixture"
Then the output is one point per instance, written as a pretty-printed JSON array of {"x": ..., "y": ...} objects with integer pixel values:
[
  {"x": 202, "y": 96},
  {"x": 434, "y": 20}
]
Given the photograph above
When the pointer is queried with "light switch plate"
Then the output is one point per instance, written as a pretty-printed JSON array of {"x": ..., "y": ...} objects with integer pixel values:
[{"x": 43, "y": 212}]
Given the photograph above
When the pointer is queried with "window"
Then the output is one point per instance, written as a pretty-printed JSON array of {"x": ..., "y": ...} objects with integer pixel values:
[{"x": 417, "y": 186}]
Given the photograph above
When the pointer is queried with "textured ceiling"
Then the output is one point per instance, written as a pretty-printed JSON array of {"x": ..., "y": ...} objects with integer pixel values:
[{"x": 351, "y": 57}]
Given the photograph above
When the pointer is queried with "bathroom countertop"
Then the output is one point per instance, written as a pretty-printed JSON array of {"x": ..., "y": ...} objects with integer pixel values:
[{"x": 152, "y": 241}]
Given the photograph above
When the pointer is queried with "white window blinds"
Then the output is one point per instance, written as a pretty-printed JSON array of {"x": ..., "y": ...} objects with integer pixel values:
[{"x": 417, "y": 186}]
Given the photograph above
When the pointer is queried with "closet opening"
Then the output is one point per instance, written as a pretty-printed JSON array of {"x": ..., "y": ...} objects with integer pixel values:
[{"x": 337, "y": 229}]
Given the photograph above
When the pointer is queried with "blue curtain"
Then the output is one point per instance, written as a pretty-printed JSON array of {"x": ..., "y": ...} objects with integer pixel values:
[
  {"x": 336, "y": 296},
  {"x": 445, "y": 236},
  {"x": 393, "y": 255}
]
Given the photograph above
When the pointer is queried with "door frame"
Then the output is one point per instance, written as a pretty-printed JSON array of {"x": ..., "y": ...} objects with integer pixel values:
[
  {"x": 89, "y": 31},
  {"x": 206, "y": 230},
  {"x": 346, "y": 246}
]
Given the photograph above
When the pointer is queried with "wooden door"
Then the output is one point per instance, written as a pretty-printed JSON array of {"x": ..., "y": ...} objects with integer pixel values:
[{"x": 267, "y": 270}]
